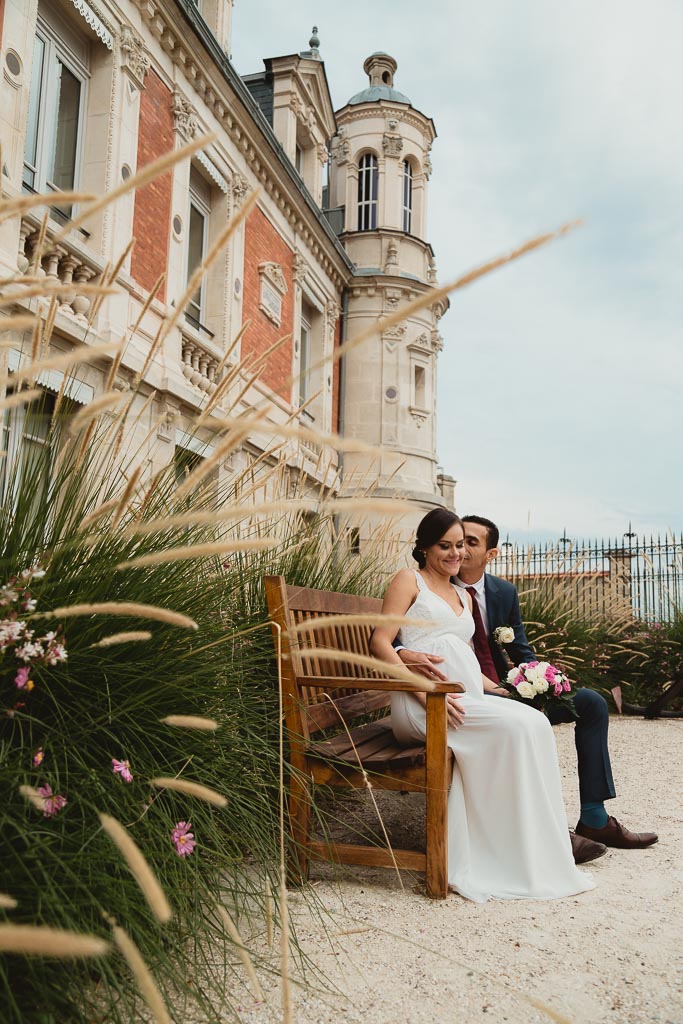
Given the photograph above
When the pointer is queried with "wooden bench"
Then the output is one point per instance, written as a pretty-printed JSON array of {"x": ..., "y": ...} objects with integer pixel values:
[{"x": 324, "y": 694}]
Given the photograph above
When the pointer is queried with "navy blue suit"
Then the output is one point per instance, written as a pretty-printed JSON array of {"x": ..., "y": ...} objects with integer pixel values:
[{"x": 595, "y": 772}]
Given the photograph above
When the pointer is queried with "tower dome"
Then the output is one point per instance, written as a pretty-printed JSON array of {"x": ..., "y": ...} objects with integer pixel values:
[{"x": 380, "y": 69}]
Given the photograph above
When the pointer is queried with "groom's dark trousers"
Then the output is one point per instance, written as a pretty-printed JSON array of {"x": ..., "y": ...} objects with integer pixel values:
[{"x": 595, "y": 772}]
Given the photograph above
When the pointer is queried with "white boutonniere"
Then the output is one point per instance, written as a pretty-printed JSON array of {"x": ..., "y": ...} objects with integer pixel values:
[{"x": 503, "y": 635}]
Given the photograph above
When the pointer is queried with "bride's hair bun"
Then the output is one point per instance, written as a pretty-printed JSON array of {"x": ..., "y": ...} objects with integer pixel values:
[{"x": 419, "y": 557}]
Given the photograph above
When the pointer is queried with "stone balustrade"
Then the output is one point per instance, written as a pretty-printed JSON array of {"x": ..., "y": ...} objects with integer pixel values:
[
  {"x": 200, "y": 365},
  {"x": 61, "y": 264}
]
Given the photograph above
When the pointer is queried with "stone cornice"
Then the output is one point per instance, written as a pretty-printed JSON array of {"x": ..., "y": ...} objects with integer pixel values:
[
  {"x": 242, "y": 120},
  {"x": 384, "y": 108}
]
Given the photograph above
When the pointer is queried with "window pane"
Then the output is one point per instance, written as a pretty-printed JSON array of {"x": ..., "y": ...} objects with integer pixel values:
[
  {"x": 367, "y": 193},
  {"x": 304, "y": 361},
  {"x": 195, "y": 254},
  {"x": 34, "y": 103},
  {"x": 63, "y": 170}
]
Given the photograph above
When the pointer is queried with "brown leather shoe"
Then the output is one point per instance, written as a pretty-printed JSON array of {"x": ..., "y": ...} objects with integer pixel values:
[
  {"x": 615, "y": 835},
  {"x": 585, "y": 849}
]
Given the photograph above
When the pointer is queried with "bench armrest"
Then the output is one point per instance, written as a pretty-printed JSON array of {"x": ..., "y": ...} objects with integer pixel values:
[{"x": 350, "y": 682}]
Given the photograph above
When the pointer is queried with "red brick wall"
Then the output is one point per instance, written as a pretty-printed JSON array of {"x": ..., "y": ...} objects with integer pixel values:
[
  {"x": 152, "y": 219},
  {"x": 335, "y": 379},
  {"x": 262, "y": 243}
]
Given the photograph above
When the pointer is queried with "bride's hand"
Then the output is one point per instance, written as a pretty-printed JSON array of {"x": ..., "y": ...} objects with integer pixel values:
[
  {"x": 454, "y": 710},
  {"x": 421, "y": 663}
]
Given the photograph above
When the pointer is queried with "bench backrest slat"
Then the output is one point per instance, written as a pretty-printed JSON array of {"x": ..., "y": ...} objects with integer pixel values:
[{"x": 310, "y": 710}]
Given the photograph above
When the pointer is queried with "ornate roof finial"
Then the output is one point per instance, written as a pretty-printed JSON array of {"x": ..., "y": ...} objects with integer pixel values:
[{"x": 314, "y": 41}]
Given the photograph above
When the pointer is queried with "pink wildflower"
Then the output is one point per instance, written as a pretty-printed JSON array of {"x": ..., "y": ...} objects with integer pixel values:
[
  {"x": 21, "y": 678},
  {"x": 183, "y": 839},
  {"x": 53, "y": 803},
  {"x": 123, "y": 769},
  {"x": 38, "y": 757}
]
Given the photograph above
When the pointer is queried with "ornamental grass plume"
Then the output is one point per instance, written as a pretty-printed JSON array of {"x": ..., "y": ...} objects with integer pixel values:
[
  {"x": 192, "y": 789},
  {"x": 143, "y": 976},
  {"x": 143, "y": 874},
  {"x": 191, "y": 722},
  {"x": 54, "y": 942}
]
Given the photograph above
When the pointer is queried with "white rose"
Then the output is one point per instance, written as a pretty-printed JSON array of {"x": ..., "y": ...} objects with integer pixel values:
[
  {"x": 541, "y": 685},
  {"x": 526, "y": 690},
  {"x": 504, "y": 635},
  {"x": 534, "y": 675},
  {"x": 512, "y": 675}
]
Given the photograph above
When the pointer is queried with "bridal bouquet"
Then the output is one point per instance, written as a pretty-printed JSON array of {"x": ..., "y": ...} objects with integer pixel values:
[{"x": 541, "y": 684}]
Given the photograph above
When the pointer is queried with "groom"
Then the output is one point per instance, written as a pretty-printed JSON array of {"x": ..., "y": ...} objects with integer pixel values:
[{"x": 495, "y": 603}]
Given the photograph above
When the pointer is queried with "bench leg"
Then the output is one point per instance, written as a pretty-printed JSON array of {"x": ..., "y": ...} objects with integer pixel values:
[
  {"x": 300, "y": 819},
  {"x": 437, "y": 798}
]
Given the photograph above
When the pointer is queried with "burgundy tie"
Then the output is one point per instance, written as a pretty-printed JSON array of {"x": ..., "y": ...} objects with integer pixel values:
[{"x": 481, "y": 640}]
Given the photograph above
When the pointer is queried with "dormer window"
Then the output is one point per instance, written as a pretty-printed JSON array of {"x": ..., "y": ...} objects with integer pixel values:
[
  {"x": 367, "y": 192},
  {"x": 407, "y": 196}
]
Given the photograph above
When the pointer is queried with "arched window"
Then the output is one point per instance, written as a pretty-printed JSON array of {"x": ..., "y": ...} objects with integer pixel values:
[
  {"x": 367, "y": 192},
  {"x": 407, "y": 197}
]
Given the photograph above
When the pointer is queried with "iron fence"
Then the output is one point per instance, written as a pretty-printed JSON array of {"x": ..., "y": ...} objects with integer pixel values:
[{"x": 635, "y": 576}]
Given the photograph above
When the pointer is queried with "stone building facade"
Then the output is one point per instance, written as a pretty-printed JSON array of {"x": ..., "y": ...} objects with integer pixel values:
[{"x": 92, "y": 91}]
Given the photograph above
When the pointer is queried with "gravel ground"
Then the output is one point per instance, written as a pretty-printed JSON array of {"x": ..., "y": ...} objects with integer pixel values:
[{"x": 610, "y": 956}]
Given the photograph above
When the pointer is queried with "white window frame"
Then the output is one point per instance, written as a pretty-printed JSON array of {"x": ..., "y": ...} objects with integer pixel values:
[
  {"x": 59, "y": 42},
  {"x": 304, "y": 358},
  {"x": 368, "y": 188},
  {"x": 201, "y": 203},
  {"x": 407, "y": 193}
]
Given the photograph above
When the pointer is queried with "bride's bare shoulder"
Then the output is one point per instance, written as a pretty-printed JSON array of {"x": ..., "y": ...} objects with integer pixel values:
[{"x": 403, "y": 583}]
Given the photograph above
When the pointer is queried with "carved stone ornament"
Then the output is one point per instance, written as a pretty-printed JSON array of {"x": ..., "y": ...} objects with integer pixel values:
[
  {"x": 438, "y": 309},
  {"x": 392, "y": 124},
  {"x": 422, "y": 342},
  {"x": 427, "y": 164},
  {"x": 301, "y": 268},
  {"x": 395, "y": 332},
  {"x": 391, "y": 262},
  {"x": 437, "y": 342},
  {"x": 332, "y": 312},
  {"x": 134, "y": 57},
  {"x": 419, "y": 415},
  {"x": 240, "y": 187},
  {"x": 341, "y": 152},
  {"x": 392, "y": 145},
  {"x": 184, "y": 115},
  {"x": 273, "y": 290},
  {"x": 122, "y": 381},
  {"x": 167, "y": 422}
]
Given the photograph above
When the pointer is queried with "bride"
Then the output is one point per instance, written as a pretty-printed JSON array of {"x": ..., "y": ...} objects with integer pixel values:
[{"x": 507, "y": 828}]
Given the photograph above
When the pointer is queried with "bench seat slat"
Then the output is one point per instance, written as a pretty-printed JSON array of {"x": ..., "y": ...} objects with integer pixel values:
[{"x": 324, "y": 714}]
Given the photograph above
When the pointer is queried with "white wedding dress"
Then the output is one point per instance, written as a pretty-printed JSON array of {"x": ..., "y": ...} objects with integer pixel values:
[{"x": 507, "y": 827}]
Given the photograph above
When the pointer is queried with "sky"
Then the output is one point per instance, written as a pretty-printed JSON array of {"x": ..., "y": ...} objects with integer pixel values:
[{"x": 559, "y": 398}]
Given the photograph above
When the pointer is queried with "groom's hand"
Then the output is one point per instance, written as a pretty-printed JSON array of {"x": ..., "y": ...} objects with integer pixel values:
[{"x": 422, "y": 664}]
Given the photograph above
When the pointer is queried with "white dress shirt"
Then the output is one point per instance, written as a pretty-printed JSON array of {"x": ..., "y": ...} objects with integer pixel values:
[{"x": 480, "y": 596}]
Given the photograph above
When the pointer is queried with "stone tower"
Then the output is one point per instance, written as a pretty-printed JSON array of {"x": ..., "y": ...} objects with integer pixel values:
[{"x": 379, "y": 173}]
